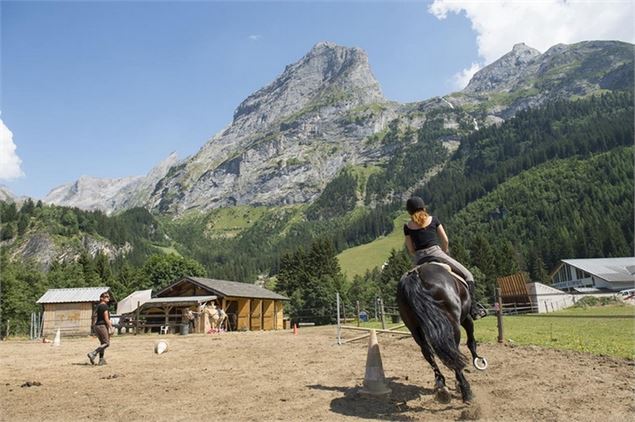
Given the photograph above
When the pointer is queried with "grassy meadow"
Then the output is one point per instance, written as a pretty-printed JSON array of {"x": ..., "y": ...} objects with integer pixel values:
[
  {"x": 602, "y": 330},
  {"x": 355, "y": 261}
]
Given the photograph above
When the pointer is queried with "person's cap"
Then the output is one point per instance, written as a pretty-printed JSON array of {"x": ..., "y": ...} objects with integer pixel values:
[{"x": 415, "y": 204}]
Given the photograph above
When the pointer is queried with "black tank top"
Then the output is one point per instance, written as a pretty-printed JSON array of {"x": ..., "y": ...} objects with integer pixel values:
[
  {"x": 425, "y": 237},
  {"x": 101, "y": 310}
]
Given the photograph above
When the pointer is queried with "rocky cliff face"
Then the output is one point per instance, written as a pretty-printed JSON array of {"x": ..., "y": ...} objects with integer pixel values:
[
  {"x": 6, "y": 195},
  {"x": 43, "y": 249},
  {"x": 289, "y": 139},
  {"x": 525, "y": 78},
  {"x": 506, "y": 73},
  {"x": 109, "y": 195}
]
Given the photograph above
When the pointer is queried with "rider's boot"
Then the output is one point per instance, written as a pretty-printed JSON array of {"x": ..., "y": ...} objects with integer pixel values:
[{"x": 477, "y": 311}]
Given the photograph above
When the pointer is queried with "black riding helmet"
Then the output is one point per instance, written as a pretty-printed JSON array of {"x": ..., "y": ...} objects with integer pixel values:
[{"x": 415, "y": 204}]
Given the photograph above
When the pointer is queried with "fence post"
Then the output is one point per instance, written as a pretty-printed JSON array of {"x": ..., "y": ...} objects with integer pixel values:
[
  {"x": 357, "y": 311},
  {"x": 376, "y": 302},
  {"x": 343, "y": 312},
  {"x": 381, "y": 309},
  {"x": 337, "y": 297},
  {"x": 499, "y": 315},
  {"x": 136, "y": 323}
]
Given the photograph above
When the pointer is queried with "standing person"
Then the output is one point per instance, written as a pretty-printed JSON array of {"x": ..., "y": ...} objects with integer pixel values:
[
  {"x": 103, "y": 328},
  {"x": 426, "y": 238}
]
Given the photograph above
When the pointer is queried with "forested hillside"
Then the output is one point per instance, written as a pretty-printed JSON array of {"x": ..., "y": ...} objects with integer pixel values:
[
  {"x": 561, "y": 129},
  {"x": 570, "y": 208}
]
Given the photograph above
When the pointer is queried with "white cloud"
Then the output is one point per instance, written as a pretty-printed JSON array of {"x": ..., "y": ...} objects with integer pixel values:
[
  {"x": 499, "y": 24},
  {"x": 255, "y": 37},
  {"x": 9, "y": 160},
  {"x": 462, "y": 78}
]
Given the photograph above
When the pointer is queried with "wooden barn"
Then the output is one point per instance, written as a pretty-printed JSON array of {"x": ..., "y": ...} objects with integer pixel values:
[
  {"x": 70, "y": 310},
  {"x": 249, "y": 307}
]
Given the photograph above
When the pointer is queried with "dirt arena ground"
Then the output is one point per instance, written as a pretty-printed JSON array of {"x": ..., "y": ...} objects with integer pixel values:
[{"x": 276, "y": 376}]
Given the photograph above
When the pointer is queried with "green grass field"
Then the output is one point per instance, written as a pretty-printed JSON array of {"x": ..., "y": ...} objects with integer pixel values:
[
  {"x": 603, "y": 330},
  {"x": 357, "y": 260}
]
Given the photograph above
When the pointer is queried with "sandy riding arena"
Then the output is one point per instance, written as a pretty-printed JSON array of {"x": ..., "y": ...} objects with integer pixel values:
[{"x": 269, "y": 376}]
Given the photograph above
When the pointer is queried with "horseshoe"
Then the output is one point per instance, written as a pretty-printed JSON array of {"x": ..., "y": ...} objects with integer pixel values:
[{"x": 480, "y": 363}]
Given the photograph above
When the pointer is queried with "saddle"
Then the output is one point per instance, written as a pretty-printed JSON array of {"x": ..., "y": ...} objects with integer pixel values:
[{"x": 432, "y": 260}]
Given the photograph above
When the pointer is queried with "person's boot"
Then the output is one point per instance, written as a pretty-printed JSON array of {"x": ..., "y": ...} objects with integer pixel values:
[
  {"x": 102, "y": 362},
  {"x": 91, "y": 357},
  {"x": 477, "y": 311}
]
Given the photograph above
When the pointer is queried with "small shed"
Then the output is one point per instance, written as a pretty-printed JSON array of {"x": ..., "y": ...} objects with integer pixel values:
[
  {"x": 70, "y": 310},
  {"x": 248, "y": 306}
]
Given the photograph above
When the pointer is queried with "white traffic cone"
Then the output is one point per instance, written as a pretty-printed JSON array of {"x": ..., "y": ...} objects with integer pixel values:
[
  {"x": 56, "y": 341},
  {"x": 374, "y": 379}
]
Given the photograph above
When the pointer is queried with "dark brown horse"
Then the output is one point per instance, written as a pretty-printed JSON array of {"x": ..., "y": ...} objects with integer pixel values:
[{"x": 434, "y": 304}]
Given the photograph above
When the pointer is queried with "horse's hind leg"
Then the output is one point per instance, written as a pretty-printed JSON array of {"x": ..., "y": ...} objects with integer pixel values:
[
  {"x": 466, "y": 390},
  {"x": 464, "y": 385},
  {"x": 442, "y": 393}
]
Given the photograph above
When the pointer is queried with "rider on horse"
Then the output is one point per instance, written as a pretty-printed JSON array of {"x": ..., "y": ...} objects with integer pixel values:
[{"x": 426, "y": 240}]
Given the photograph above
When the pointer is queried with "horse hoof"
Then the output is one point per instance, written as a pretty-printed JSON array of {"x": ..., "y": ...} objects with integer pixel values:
[
  {"x": 480, "y": 363},
  {"x": 443, "y": 395}
]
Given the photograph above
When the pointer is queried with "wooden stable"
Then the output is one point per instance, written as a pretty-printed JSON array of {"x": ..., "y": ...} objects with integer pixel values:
[
  {"x": 249, "y": 307},
  {"x": 70, "y": 310},
  {"x": 514, "y": 292}
]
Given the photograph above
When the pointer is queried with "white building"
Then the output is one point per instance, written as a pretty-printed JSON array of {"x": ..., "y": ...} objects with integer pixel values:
[{"x": 594, "y": 275}]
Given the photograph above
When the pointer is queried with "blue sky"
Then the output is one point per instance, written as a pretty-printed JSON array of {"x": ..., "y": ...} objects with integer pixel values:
[{"x": 109, "y": 89}]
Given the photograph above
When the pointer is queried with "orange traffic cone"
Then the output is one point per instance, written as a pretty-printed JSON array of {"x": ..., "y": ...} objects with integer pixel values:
[
  {"x": 374, "y": 379},
  {"x": 295, "y": 329}
]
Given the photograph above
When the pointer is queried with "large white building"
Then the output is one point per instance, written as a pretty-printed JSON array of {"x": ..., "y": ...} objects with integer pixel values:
[{"x": 594, "y": 274}]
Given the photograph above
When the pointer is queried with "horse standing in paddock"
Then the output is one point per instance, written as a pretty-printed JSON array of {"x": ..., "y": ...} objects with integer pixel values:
[
  {"x": 433, "y": 304},
  {"x": 217, "y": 317}
]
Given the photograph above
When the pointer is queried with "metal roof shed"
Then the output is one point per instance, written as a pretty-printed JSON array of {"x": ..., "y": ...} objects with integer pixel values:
[{"x": 70, "y": 310}]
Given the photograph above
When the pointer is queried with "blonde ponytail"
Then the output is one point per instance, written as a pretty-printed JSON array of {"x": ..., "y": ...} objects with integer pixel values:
[{"x": 420, "y": 217}]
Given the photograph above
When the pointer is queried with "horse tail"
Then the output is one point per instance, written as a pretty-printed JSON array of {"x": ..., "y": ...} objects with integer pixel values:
[{"x": 434, "y": 322}]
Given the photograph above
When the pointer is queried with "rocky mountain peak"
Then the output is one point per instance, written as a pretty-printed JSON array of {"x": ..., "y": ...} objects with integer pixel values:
[
  {"x": 503, "y": 73},
  {"x": 328, "y": 69},
  {"x": 6, "y": 194}
]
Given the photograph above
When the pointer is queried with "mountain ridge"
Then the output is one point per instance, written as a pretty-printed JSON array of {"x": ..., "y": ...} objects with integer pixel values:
[{"x": 288, "y": 139}]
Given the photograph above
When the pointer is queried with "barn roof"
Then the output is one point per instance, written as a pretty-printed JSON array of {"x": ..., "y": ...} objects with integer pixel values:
[
  {"x": 180, "y": 300},
  {"x": 609, "y": 269},
  {"x": 229, "y": 288},
  {"x": 73, "y": 295}
]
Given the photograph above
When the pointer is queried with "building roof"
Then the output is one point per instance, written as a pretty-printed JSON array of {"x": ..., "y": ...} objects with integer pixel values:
[
  {"x": 230, "y": 288},
  {"x": 236, "y": 289},
  {"x": 129, "y": 303},
  {"x": 181, "y": 300},
  {"x": 609, "y": 269},
  {"x": 73, "y": 295}
]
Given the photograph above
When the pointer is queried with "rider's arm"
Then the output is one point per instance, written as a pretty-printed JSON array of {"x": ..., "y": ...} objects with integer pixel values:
[
  {"x": 410, "y": 246},
  {"x": 443, "y": 238}
]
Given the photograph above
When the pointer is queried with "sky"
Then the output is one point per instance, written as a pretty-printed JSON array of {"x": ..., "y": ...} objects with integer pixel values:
[{"x": 111, "y": 88}]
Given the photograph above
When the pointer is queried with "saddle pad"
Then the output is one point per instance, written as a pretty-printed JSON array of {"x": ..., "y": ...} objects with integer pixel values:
[{"x": 448, "y": 269}]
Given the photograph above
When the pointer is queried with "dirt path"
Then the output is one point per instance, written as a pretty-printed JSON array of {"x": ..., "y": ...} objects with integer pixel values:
[{"x": 266, "y": 376}]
